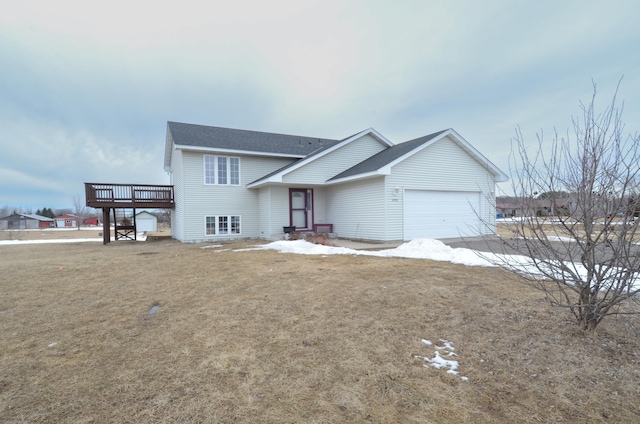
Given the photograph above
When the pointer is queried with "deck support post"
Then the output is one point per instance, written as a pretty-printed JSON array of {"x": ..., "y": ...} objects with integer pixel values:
[
  {"x": 106, "y": 226},
  {"x": 135, "y": 228}
]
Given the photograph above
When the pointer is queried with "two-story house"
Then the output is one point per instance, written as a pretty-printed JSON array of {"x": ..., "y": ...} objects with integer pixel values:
[{"x": 232, "y": 183}]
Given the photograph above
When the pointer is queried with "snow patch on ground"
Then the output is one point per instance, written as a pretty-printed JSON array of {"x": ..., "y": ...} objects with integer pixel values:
[
  {"x": 140, "y": 237},
  {"x": 437, "y": 251},
  {"x": 439, "y": 360}
]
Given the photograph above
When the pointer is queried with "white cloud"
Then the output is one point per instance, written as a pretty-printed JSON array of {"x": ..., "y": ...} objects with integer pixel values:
[{"x": 105, "y": 78}]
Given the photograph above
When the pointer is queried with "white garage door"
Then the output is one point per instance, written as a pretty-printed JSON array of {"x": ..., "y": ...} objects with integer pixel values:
[
  {"x": 146, "y": 224},
  {"x": 441, "y": 214}
]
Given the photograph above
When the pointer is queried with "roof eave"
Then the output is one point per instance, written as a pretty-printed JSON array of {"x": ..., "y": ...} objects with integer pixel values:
[
  {"x": 377, "y": 173},
  {"x": 236, "y": 152},
  {"x": 168, "y": 148},
  {"x": 274, "y": 179}
]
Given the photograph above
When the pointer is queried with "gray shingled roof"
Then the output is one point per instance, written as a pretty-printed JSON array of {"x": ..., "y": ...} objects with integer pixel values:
[
  {"x": 386, "y": 156},
  {"x": 314, "y": 153},
  {"x": 233, "y": 139}
]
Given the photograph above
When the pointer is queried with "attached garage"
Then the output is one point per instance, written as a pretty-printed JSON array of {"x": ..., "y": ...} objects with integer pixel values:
[{"x": 441, "y": 214}]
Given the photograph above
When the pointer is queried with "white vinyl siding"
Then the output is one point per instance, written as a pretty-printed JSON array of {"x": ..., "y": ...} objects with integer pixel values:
[
  {"x": 319, "y": 206},
  {"x": 331, "y": 164},
  {"x": 274, "y": 210},
  {"x": 278, "y": 210},
  {"x": 356, "y": 209},
  {"x": 177, "y": 179},
  {"x": 264, "y": 208},
  {"x": 442, "y": 166},
  {"x": 221, "y": 200}
]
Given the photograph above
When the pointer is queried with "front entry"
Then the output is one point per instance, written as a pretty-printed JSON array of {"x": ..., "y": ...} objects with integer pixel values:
[{"x": 301, "y": 208}]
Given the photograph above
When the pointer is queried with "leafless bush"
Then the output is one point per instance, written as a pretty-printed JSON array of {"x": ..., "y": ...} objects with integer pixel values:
[
  {"x": 316, "y": 238},
  {"x": 584, "y": 256}
]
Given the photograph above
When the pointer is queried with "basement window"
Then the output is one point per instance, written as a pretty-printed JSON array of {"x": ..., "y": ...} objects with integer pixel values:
[{"x": 216, "y": 225}]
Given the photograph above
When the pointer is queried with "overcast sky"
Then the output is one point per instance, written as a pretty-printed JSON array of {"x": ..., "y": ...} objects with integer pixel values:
[{"x": 86, "y": 89}]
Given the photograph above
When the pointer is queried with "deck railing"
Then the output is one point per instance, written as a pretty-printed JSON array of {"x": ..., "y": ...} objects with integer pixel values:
[{"x": 101, "y": 195}]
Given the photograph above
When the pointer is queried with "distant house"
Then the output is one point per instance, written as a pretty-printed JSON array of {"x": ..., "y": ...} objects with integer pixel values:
[
  {"x": 23, "y": 221},
  {"x": 66, "y": 221},
  {"x": 146, "y": 222},
  {"x": 91, "y": 221},
  {"x": 508, "y": 207},
  {"x": 232, "y": 183}
]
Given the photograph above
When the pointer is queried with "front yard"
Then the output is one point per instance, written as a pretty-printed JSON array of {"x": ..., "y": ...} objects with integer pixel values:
[{"x": 170, "y": 332}]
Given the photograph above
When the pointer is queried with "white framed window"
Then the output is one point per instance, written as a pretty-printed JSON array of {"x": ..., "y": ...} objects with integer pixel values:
[
  {"x": 217, "y": 225},
  {"x": 210, "y": 225},
  {"x": 223, "y": 225},
  {"x": 234, "y": 171},
  {"x": 221, "y": 170},
  {"x": 235, "y": 224}
]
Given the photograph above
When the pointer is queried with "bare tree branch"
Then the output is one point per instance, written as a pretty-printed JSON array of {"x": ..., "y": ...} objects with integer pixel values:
[
  {"x": 579, "y": 240},
  {"x": 79, "y": 209}
]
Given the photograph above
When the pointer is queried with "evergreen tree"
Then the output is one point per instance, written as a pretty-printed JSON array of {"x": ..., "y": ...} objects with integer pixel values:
[{"x": 46, "y": 212}]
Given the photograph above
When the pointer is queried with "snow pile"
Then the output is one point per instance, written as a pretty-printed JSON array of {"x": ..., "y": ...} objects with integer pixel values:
[
  {"x": 416, "y": 249},
  {"x": 435, "y": 250},
  {"x": 438, "y": 361},
  {"x": 303, "y": 247}
]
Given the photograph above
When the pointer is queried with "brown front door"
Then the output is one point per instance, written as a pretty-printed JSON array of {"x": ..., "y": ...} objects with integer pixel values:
[{"x": 300, "y": 201}]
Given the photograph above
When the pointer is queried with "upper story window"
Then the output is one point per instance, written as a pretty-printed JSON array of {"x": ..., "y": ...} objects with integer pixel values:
[{"x": 222, "y": 170}]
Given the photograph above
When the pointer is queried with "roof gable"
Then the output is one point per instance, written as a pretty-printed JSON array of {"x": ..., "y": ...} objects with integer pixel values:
[
  {"x": 276, "y": 176},
  {"x": 382, "y": 159},
  {"x": 381, "y": 163}
]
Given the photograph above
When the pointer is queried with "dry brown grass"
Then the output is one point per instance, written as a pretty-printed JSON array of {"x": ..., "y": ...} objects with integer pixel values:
[
  {"x": 509, "y": 230},
  {"x": 261, "y": 336}
]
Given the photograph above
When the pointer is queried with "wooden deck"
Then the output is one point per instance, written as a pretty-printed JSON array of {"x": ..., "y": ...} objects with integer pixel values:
[
  {"x": 129, "y": 196},
  {"x": 110, "y": 197}
]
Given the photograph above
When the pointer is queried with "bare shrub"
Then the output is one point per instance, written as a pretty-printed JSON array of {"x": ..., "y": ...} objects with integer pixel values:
[
  {"x": 584, "y": 254},
  {"x": 316, "y": 238}
]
